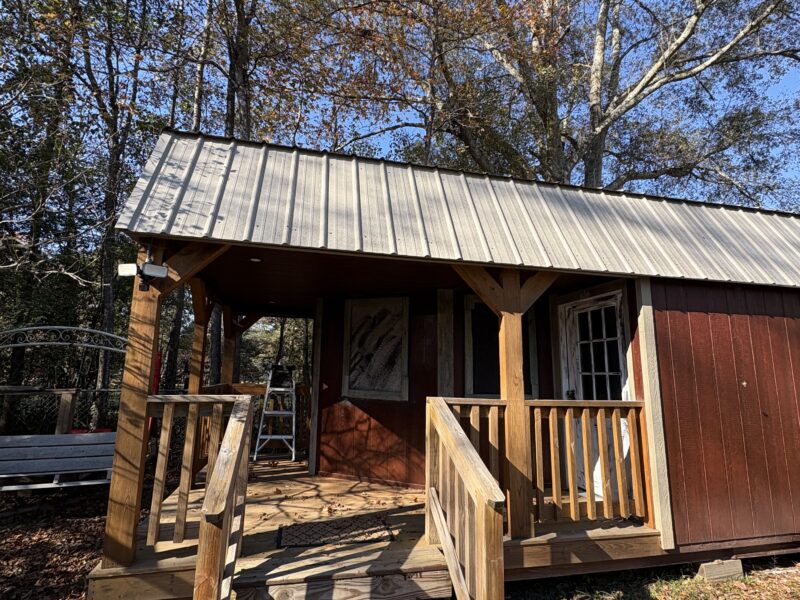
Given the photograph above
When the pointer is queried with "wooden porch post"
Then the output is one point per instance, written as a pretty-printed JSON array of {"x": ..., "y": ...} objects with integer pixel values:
[
  {"x": 125, "y": 492},
  {"x": 510, "y": 299}
]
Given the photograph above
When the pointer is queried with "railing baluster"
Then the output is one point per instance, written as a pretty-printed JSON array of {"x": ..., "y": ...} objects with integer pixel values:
[
  {"x": 494, "y": 441},
  {"x": 185, "y": 485},
  {"x": 539, "y": 443},
  {"x": 555, "y": 460},
  {"x": 160, "y": 478},
  {"x": 602, "y": 445},
  {"x": 475, "y": 427},
  {"x": 214, "y": 437},
  {"x": 572, "y": 468},
  {"x": 588, "y": 470},
  {"x": 636, "y": 463},
  {"x": 619, "y": 457}
]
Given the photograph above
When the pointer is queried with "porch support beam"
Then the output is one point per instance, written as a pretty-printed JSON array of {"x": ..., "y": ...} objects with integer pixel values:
[
  {"x": 188, "y": 262},
  {"x": 510, "y": 298},
  {"x": 125, "y": 492},
  {"x": 315, "y": 383}
]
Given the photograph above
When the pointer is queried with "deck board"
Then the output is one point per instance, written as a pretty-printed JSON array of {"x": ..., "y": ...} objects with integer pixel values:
[{"x": 284, "y": 494}]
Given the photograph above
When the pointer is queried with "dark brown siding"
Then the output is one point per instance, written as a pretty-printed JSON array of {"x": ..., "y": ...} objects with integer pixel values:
[
  {"x": 377, "y": 439},
  {"x": 729, "y": 362}
]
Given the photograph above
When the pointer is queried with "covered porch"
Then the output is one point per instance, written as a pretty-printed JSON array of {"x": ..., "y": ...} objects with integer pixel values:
[{"x": 457, "y": 468}]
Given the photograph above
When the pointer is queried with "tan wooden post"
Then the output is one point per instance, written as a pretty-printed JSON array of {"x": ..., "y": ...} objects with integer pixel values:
[
  {"x": 125, "y": 493},
  {"x": 510, "y": 299},
  {"x": 66, "y": 411}
]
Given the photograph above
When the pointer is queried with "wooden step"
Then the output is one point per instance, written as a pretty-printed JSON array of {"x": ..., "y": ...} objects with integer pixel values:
[{"x": 352, "y": 571}]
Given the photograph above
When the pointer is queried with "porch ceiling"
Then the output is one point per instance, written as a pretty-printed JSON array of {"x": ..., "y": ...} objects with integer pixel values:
[
  {"x": 287, "y": 281},
  {"x": 210, "y": 188}
]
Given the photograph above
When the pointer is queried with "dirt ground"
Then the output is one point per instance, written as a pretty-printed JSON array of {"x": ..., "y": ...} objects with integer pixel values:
[{"x": 50, "y": 541}]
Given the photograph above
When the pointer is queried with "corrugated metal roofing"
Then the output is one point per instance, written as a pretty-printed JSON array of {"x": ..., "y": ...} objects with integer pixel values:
[{"x": 214, "y": 188}]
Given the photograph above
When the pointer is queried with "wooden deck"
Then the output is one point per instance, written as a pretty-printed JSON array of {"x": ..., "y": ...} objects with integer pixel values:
[{"x": 284, "y": 494}]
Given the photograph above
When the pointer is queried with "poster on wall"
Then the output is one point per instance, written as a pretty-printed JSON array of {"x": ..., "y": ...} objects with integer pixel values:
[{"x": 376, "y": 349}]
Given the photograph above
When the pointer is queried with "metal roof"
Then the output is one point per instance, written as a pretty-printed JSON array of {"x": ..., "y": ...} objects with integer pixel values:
[{"x": 221, "y": 189}]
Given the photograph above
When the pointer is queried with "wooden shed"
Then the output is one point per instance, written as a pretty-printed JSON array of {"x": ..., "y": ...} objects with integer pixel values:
[{"x": 512, "y": 380}]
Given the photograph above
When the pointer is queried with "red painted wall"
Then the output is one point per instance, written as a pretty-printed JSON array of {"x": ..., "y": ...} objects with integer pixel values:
[
  {"x": 377, "y": 439},
  {"x": 729, "y": 363}
]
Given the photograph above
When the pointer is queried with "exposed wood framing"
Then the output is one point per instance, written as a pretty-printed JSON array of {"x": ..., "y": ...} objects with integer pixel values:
[
  {"x": 444, "y": 343},
  {"x": 188, "y": 262},
  {"x": 510, "y": 298},
  {"x": 313, "y": 434},
  {"x": 125, "y": 493},
  {"x": 654, "y": 419}
]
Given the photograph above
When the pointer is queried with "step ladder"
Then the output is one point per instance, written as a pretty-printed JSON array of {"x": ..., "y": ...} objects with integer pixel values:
[{"x": 279, "y": 411}]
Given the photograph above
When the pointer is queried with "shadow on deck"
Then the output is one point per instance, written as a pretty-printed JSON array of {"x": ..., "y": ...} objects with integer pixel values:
[{"x": 395, "y": 563}]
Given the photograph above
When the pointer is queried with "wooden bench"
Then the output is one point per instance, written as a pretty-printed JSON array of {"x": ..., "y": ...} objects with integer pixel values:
[{"x": 31, "y": 462}]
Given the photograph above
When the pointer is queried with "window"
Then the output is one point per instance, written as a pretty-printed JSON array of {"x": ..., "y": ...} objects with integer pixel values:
[{"x": 376, "y": 349}]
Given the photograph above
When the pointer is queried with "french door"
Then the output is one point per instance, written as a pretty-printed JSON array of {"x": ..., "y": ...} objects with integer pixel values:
[{"x": 593, "y": 349}]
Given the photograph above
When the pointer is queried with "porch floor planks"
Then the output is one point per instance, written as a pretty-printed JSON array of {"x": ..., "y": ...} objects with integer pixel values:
[
  {"x": 284, "y": 494},
  {"x": 406, "y": 567}
]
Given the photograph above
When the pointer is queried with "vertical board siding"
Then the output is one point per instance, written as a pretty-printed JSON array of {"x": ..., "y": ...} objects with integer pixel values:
[
  {"x": 729, "y": 360},
  {"x": 377, "y": 439}
]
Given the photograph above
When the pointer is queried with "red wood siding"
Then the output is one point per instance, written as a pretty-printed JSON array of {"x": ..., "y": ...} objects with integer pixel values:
[
  {"x": 729, "y": 362},
  {"x": 377, "y": 439}
]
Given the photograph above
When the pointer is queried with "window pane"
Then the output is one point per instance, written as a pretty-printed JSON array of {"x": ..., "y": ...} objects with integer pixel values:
[
  {"x": 611, "y": 321},
  {"x": 601, "y": 393},
  {"x": 616, "y": 389},
  {"x": 586, "y": 357},
  {"x": 612, "y": 347},
  {"x": 588, "y": 391},
  {"x": 599, "y": 353},
  {"x": 597, "y": 324},
  {"x": 583, "y": 326}
]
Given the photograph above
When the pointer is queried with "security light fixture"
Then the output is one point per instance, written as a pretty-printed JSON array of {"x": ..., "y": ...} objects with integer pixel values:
[{"x": 146, "y": 271}]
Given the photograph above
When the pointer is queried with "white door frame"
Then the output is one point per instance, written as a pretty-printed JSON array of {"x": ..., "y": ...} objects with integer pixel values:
[{"x": 571, "y": 379}]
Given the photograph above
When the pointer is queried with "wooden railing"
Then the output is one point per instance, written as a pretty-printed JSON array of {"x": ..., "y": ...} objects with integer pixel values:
[
  {"x": 226, "y": 480},
  {"x": 222, "y": 520},
  {"x": 563, "y": 466},
  {"x": 464, "y": 508}
]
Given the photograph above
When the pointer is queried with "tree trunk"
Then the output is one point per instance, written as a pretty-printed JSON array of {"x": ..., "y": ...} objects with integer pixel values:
[
  {"x": 169, "y": 380},
  {"x": 199, "y": 83},
  {"x": 281, "y": 340},
  {"x": 215, "y": 346},
  {"x": 593, "y": 162}
]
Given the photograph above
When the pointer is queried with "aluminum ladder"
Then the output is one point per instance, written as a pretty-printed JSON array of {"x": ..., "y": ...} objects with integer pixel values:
[{"x": 279, "y": 411}]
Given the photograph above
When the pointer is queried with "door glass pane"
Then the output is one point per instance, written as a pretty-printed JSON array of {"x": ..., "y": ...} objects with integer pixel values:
[
  {"x": 612, "y": 348},
  {"x": 611, "y": 321},
  {"x": 600, "y": 390},
  {"x": 597, "y": 324},
  {"x": 599, "y": 353},
  {"x": 583, "y": 326},
  {"x": 588, "y": 387},
  {"x": 586, "y": 357}
]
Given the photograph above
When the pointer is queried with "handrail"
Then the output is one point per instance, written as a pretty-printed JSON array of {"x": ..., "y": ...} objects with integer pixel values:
[
  {"x": 222, "y": 479},
  {"x": 545, "y": 403},
  {"x": 466, "y": 458},
  {"x": 222, "y": 520},
  {"x": 464, "y": 507}
]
